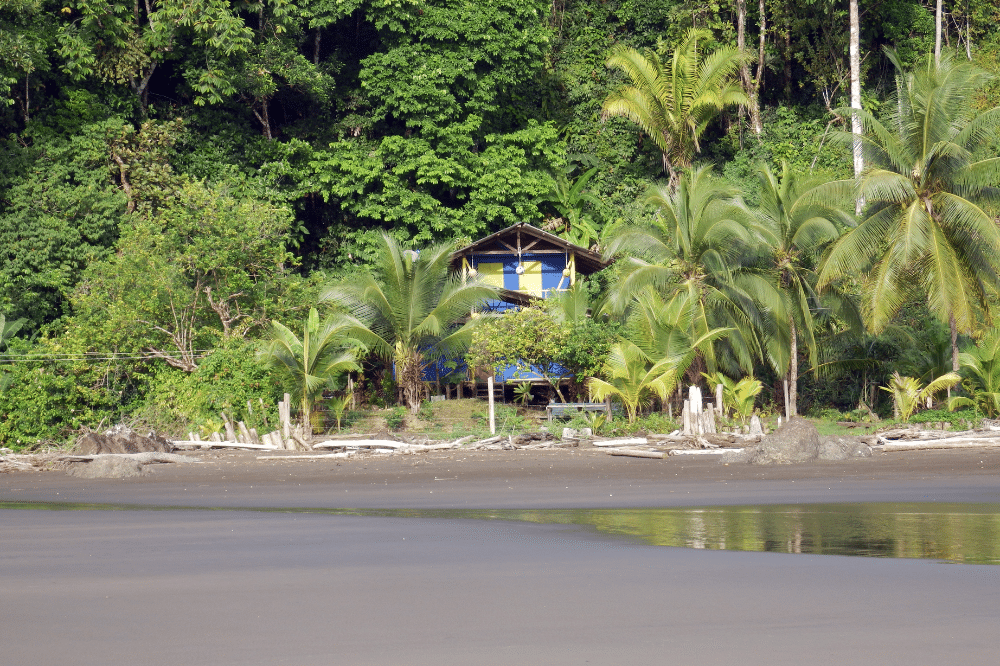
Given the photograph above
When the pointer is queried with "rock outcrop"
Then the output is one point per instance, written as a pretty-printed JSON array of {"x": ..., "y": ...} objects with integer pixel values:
[
  {"x": 798, "y": 441},
  {"x": 120, "y": 439}
]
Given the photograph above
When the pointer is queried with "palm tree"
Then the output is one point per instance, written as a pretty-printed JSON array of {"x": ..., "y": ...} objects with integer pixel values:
[
  {"x": 9, "y": 328},
  {"x": 983, "y": 385},
  {"x": 633, "y": 378},
  {"x": 698, "y": 246},
  {"x": 793, "y": 221},
  {"x": 925, "y": 229},
  {"x": 674, "y": 102},
  {"x": 7, "y": 331},
  {"x": 570, "y": 199},
  {"x": 409, "y": 309},
  {"x": 908, "y": 394},
  {"x": 654, "y": 353},
  {"x": 309, "y": 365}
]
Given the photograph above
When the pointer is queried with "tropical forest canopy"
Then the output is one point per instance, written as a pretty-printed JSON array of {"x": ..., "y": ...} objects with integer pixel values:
[{"x": 175, "y": 175}]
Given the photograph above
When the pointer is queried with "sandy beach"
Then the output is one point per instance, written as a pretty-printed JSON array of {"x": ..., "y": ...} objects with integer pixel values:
[
  {"x": 563, "y": 478},
  {"x": 240, "y": 587}
]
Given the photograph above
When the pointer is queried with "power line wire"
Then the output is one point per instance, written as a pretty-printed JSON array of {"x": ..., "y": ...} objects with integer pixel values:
[{"x": 10, "y": 359}]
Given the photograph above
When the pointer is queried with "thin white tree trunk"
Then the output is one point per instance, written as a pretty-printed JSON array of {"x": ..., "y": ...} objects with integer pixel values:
[
  {"x": 793, "y": 373},
  {"x": 968, "y": 34},
  {"x": 937, "y": 33},
  {"x": 855, "y": 55},
  {"x": 749, "y": 87}
]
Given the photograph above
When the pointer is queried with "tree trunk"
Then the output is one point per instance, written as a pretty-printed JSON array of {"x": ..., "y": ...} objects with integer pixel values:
[
  {"x": 937, "y": 33},
  {"x": 758, "y": 83},
  {"x": 953, "y": 325},
  {"x": 855, "y": 52},
  {"x": 409, "y": 370},
  {"x": 793, "y": 372},
  {"x": 306, "y": 414},
  {"x": 760, "y": 51},
  {"x": 749, "y": 88},
  {"x": 968, "y": 33}
]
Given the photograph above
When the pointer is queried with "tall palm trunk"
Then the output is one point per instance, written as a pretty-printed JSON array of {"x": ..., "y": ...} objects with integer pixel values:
[
  {"x": 856, "y": 129},
  {"x": 409, "y": 376},
  {"x": 953, "y": 325},
  {"x": 793, "y": 371}
]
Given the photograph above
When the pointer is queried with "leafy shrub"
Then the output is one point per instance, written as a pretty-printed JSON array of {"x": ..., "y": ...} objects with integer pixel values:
[
  {"x": 656, "y": 422},
  {"x": 509, "y": 421},
  {"x": 381, "y": 392},
  {"x": 46, "y": 400},
  {"x": 226, "y": 380},
  {"x": 395, "y": 419},
  {"x": 826, "y": 414},
  {"x": 957, "y": 419}
]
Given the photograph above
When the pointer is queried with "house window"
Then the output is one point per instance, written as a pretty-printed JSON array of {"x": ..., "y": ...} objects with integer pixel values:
[
  {"x": 492, "y": 274},
  {"x": 531, "y": 278}
]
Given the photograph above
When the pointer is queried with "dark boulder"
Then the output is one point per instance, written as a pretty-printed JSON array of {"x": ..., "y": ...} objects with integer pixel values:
[
  {"x": 795, "y": 441},
  {"x": 842, "y": 447},
  {"x": 798, "y": 441}
]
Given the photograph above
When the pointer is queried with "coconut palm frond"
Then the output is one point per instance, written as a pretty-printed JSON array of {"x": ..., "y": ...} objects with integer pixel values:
[{"x": 410, "y": 309}]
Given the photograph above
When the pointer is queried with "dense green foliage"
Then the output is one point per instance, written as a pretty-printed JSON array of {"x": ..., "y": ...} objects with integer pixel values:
[
  {"x": 174, "y": 176},
  {"x": 409, "y": 310},
  {"x": 310, "y": 364}
]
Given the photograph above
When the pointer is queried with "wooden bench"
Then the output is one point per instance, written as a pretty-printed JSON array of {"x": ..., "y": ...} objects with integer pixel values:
[{"x": 571, "y": 408}]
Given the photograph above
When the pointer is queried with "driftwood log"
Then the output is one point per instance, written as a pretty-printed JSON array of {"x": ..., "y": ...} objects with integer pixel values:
[
  {"x": 702, "y": 452},
  {"x": 913, "y": 433},
  {"x": 625, "y": 441},
  {"x": 922, "y": 445},
  {"x": 310, "y": 456},
  {"x": 636, "y": 453},
  {"x": 182, "y": 444}
]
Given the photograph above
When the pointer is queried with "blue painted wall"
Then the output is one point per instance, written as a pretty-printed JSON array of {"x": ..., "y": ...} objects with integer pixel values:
[{"x": 552, "y": 272}]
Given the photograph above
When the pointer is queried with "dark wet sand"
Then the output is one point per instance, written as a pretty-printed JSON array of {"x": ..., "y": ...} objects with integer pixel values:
[
  {"x": 235, "y": 587},
  {"x": 528, "y": 479}
]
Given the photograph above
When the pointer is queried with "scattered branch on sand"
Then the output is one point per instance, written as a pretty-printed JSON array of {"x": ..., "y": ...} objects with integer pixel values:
[
  {"x": 195, "y": 444},
  {"x": 702, "y": 452},
  {"x": 310, "y": 456},
  {"x": 486, "y": 443},
  {"x": 22, "y": 463},
  {"x": 914, "y": 439},
  {"x": 626, "y": 441},
  {"x": 915, "y": 445},
  {"x": 636, "y": 453},
  {"x": 913, "y": 433},
  {"x": 361, "y": 444}
]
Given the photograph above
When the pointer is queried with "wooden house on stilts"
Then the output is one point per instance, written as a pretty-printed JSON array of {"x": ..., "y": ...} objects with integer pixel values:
[{"x": 526, "y": 264}]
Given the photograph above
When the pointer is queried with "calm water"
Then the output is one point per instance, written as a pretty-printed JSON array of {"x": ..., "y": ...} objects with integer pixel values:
[{"x": 968, "y": 533}]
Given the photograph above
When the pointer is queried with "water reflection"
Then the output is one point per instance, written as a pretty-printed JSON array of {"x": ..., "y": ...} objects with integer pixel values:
[{"x": 968, "y": 533}]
